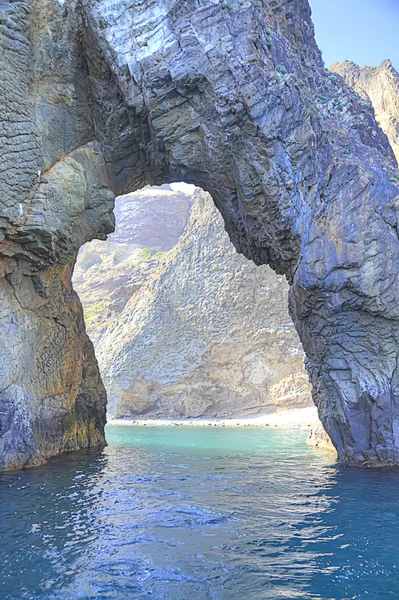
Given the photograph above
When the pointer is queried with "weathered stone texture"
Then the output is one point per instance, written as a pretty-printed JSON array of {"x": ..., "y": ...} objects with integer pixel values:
[
  {"x": 52, "y": 398},
  {"x": 108, "y": 274},
  {"x": 152, "y": 218},
  {"x": 231, "y": 96},
  {"x": 53, "y": 198},
  {"x": 380, "y": 86},
  {"x": 201, "y": 331},
  {"x": 318, "y": 438}
]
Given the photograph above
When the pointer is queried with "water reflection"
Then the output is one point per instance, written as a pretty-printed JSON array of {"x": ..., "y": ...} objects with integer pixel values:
[
  {"x": 197, "y": 514},
  {"x": 47, "y": 516},
  {"x": 361, "y": 552}
]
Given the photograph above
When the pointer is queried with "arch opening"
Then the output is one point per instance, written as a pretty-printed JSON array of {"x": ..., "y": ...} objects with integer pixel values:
[{"x": 184, "y": 327}]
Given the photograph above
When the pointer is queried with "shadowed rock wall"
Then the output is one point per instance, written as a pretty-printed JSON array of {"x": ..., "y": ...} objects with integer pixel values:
[
  {"x": 53, "y": 198},
  {"x": 231, "y": 96}
]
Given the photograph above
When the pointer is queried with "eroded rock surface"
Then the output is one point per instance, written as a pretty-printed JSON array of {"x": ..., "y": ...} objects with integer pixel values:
[
  {"x": 154, "y": 218},
  {"x": 318, "y": 438},
  {"x": 380, "y": 86},
  {"x": 201, "y": 331},
  {"x": 108, "y": 274},
  {"x": 101, "y": 95},
  {"x": 54, "y": 197}
]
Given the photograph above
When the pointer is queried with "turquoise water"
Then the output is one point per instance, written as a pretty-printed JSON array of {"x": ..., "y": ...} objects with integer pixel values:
[{"x": 199, "y": 513}]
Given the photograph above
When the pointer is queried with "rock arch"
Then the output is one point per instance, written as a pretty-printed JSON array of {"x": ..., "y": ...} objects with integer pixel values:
[{"x": 101, "y": 98}]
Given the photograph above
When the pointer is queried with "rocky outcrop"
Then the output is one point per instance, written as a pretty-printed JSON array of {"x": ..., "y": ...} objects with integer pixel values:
[
  {"x": 201, "y": 332},
  {"x": 380, "y": 86},
  {"x": 318, "y": 438},
  {"x": 106, "y": 277},
  {"x": 153, "y": 218},
  {"x": 54, "y": 197},
  {"x": 103, "y": 97},
  {"x": 52, "y": 397},
  {"x": 108, "y": 274}
]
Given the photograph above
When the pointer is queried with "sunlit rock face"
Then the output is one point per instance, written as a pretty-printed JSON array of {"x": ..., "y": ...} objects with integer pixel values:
[
  {"x": 318, "y": 438},
  {"x": 201, "y": 331},
  {"x": 380, "y": 86},
  {"x": 153, "y": 218},
  {"x": 103, "y": 97},
  {"x": 109, "y": 274}
]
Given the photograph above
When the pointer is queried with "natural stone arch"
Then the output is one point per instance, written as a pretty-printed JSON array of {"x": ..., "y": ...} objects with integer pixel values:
[
  {"x": 182, "y": 325},
  {"x": 231, "y": 96}
]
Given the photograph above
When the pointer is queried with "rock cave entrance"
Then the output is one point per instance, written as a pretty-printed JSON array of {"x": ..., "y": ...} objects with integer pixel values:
[{"x": 182, "y": 325}]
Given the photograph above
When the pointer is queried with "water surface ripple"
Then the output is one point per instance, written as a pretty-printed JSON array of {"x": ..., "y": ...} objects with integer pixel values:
[{"x": 199, "y": 513}]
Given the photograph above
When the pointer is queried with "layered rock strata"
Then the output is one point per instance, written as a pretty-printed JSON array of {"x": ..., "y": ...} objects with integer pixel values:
[
  {"x": 380, "y": 86},
  {"x": 102, "y": 98},
  {"x": 109, "y": 274},
  {"x": 201, "y": 331}
]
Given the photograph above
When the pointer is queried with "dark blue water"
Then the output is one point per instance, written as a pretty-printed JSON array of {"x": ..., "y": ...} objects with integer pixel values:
[{"x": 198, "y": 514}]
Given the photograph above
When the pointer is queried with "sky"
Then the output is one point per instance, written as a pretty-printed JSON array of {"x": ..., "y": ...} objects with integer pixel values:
[
  {"x": 186, "y": 188},
  {"x": 363, "y": 31}
]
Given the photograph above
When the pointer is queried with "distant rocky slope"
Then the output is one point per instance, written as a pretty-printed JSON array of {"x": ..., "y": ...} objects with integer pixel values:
[
  {"x": 380, "y": 86},
  {"x": 108, "y": 273},
  {"x": 194, "y": 332},
  {"x": 152, "y": 218}
]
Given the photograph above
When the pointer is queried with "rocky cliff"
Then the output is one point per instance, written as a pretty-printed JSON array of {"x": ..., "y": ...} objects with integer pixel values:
[
  {"x": 201, "y": 331},
  {"x": 102, "y": 98},
  {"x": 108, "y": 273},
  {"x": 380, "y": 86}
]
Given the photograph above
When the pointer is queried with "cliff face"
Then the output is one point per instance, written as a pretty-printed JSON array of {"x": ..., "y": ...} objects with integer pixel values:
[
  {"x": 152, "y": 218},
  {"x": 380, "y": 86},
  {"x": 207, "y": 334},
  {"x": 52, "y": 396},
  {"x": 108, "y": 274},
  {"x": 102, "y": 98}
]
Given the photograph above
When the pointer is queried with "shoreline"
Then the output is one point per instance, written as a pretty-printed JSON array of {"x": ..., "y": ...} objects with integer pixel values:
[{"x": 303, "y": 418}]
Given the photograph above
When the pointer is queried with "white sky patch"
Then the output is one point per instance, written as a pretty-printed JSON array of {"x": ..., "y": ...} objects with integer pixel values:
[{"x": 185, "y": 188}]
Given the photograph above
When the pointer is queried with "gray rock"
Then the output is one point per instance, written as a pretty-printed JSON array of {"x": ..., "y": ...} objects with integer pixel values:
[
  {"x": 380, "y": 87},
  {"x": 231, "y": 96},
  {"x": 151, "y": 218},
  {"x": 201, "y": 331}
]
